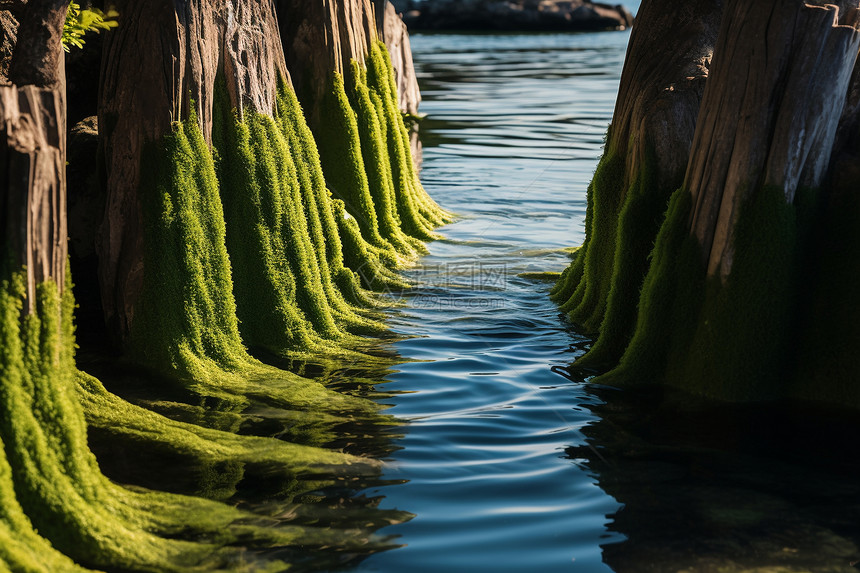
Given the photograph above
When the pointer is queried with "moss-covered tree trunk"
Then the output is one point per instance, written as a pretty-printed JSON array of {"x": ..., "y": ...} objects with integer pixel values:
[
  {"x": 720, "y": 307},
  {"x": 186, "y": 46},
  {"x": 644, "y": 160},
  {"x": 345, "y": 81},
  {"x": 216, "y": 193},
  {"x": 393, "y": 33}
]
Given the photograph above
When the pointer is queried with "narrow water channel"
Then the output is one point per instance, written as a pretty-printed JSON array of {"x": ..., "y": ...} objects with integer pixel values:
[{"x": 514, "y": 129}]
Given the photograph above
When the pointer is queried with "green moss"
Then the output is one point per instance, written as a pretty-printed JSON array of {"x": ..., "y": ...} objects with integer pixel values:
[
  {"x": 366, "y": 158},
  {"x": 583, "y": 289},
  {"x": 724, "y": 339},
  {"x": 636, "y": 227},
  {"x": 186, "y": 325},
  {"x": 669, "y": 302},
  {"x": 419, "y": 214},
  {"x": 740, "y": 349},
  {"x": 50, "y": 482}
]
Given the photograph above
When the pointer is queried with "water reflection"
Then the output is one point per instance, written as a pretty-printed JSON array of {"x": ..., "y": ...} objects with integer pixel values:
[
  {"x": 290, "y": 488},
  {"x": 717, "y": 487}
]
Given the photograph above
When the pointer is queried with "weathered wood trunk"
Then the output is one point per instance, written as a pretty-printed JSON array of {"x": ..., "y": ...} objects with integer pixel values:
[
  {"x": 345, "y": 83},
  {"x": 38, "y": 56},
  {"x": 778, "y": 130},
  {"x": 392, "y": 31},
  {"x": 322, "y": 37},
  {"x": 721, "y": 306},
  {"x": 33, "y": 173},
  {"x": 33, "y": 228},
  {"x": 187, "y": 45},
  {"x": 647, "y": 147}
]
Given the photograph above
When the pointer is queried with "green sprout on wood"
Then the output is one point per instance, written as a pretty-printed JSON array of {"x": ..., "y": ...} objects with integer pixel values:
[{"x": 80, "y": 21}]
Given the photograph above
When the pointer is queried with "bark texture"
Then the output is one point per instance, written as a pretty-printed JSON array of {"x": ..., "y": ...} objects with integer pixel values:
[
  {"x": 141, "y": 97},
  {"x": 392, "y": 31},
  {"x": 33, "y": 173},
  {"x": 322, "y": 37},
  {"x": 779, "y": 129},
  {"x": 646, "y": 153},
  {"x": 8, "y": 38},
  {"x": 38, "y": 56}
]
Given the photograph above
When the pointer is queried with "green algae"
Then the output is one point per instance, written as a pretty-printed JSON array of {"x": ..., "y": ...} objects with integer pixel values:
[
  {"x": 547, "y": 276},
  {"x": 366, "y": 158},
  {"x": 719, "y": 338},
  {"x": 50, "y": 481}
]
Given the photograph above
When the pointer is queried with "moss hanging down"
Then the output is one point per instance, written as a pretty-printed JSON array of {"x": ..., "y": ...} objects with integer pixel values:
[
  {"x": 715, "y": 338},
  {"x": 366, "y": 158},
  {"x": 50, "y": 482},
  {"x": 322, "y": 213},
  {"x": 419, "y": 214},
  {"x": 584, "y": 287},
  {"x": 186, "y": 322},
  {"x": 600, "y": 289},
  {"x": 287, "y": 279}
]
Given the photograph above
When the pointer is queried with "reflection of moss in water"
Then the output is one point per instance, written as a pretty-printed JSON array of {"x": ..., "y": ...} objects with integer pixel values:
[
  {"x": 366, "y": 157},
  {"x": 219, "y": 456},
  {"x": 51, "y": 483},
  {"x": 740, "y": 499}
]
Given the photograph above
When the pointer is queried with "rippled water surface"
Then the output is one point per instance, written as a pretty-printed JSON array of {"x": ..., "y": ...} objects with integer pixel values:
[{"x": 514, "y": 128}]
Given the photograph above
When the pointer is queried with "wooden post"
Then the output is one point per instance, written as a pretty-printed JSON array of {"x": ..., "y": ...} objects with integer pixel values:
[
  {"x": 186, "y": 44},
  {"x": 33, "y": 148},
  {"x": 769, "y": 114}
]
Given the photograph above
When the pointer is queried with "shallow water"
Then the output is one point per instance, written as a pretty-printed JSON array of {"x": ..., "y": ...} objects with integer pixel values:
[{"x": 514, "y": 128}]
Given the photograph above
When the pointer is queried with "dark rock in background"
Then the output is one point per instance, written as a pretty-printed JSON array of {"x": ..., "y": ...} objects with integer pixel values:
[{"x": 513, "y": 15}]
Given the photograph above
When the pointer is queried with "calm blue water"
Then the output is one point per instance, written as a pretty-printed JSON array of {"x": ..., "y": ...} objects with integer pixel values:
[{"x": 514, "y": 130}]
